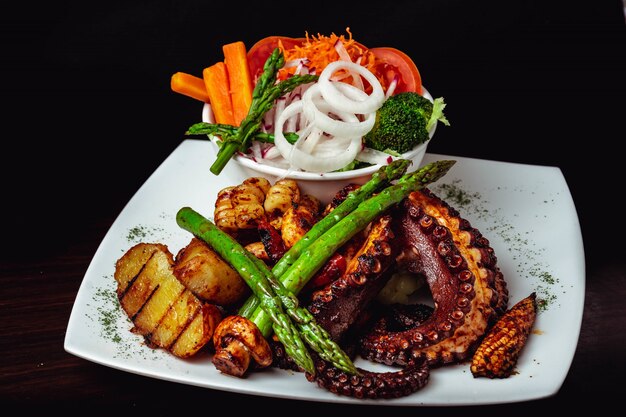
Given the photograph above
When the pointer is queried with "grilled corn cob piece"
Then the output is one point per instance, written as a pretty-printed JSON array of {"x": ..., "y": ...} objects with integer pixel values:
[{"x": 499, "y": 351}]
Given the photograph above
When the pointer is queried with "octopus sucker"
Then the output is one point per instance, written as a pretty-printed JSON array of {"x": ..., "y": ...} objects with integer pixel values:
[
  {"x": 337, "y": 305},
  {"x": 425, "y": 236},
  {"x": 372, "y": 385},
  {"x": 468, "y": 289}
]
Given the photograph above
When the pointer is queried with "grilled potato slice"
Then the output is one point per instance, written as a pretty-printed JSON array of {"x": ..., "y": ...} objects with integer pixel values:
[
  {"x": 208, "y": 276},
  {"x": 177, "y": 319},
  {"x": 130, "y": 265},
  {"x": 135, "y": 287},
  {"x": 198, "y": 333},
  {"x": 162, "y": 310}
]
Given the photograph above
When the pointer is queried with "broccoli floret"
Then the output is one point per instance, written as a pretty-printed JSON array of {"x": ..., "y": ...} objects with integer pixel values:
[{"x": 403, "y": 122}]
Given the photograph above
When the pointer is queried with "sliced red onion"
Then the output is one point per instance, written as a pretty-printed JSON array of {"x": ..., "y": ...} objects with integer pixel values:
[{"x": 271, "y": 153}]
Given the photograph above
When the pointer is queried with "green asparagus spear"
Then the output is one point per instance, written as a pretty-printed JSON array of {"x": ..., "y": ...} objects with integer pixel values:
[
  {"x": 311, "y": 259},
  {"x": 316, "y": 336},
  {"x": 235, "y": 254},
  {"x": 265, "y": 92},
  {"x": 317, "y": 253},
  {"x": 380, "y": 179},
  {"x": 225, "y": 131}
]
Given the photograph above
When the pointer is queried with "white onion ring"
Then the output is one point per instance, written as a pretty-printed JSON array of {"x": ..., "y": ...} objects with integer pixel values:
[
  {"x": 331, "y": 93},
  {"x": 315, "y": 110},
  {"x": 308, "y": 143},
  {"x": 311, "y": 162}
]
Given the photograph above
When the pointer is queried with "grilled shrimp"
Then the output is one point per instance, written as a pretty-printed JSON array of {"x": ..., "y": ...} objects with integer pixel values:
[
  {"x": 238, "y": 207},
  {"x": 279, "y": 198}
]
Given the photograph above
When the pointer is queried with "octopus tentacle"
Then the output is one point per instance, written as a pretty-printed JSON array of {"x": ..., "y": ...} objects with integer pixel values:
[
  {"x": 468, "y": 288},
  {"x": 426, "y": 236},
  {"x": 336, "y": 306},
  {"x": 366, "y": 384},
  {"x": 372, "y": 385}
]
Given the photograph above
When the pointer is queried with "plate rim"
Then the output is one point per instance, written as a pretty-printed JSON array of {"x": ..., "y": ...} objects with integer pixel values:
[{"x": 76, "y": 350}]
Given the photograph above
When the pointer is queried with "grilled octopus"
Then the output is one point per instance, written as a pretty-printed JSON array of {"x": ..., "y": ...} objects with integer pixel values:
[
  {"x": 423, "y": 235},
  {"x": 428, "y": 237},
  {"x": 468, "y": 289},
  {"x": 334, "y": 307}
]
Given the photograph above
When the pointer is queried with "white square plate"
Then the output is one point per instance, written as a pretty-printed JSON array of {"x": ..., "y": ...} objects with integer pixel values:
[{"x": 526, "y": 212}]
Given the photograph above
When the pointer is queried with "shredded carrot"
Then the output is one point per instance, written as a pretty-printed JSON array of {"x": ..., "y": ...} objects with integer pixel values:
[
  {"x": 240, "y": 80},
  {"x": 217, "y": 85},
  {"x": 190, "y": 86},
  {"x": 320, "y": 51}
]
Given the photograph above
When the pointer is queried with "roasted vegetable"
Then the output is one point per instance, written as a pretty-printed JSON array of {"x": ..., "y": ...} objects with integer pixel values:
[
  {"x": 380, "y": 179},
  {"x": 272, "y": 241},
  {"x": 499, "y": 351},
  {"x": 162, "y": 310},
  {"x": 258, "y": 250},
  {"x": 403, "y": 122},
  {"x": 298, "y": 219},
  {"x": 208, "y": 276}
]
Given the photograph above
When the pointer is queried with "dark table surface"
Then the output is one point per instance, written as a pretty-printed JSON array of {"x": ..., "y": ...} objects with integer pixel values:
[{"x": 88, "y": 115}]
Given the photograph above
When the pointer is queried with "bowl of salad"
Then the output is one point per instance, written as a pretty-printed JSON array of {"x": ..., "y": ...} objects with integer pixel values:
[{"x": 325, "y": 111}]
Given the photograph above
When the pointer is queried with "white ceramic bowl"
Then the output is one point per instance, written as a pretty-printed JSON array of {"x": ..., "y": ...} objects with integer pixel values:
[{"x": 325, "y": 186}]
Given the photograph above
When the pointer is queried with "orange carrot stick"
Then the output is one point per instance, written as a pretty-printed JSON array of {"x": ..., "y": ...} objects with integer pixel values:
[
  {"x": 217, "y": 85},
  {"x": 235, "y": 58},
  {"x": 189, "y": 85}
]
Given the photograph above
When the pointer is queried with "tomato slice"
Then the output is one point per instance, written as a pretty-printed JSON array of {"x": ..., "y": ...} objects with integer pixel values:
[
  {"x": 392, "y": 62},
  {"x": 260, "y": 51},
  {"x": 395, "y": 62}
]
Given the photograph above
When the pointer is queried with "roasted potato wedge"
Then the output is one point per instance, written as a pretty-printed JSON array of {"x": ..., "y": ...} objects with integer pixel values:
[
  {"x": 162, "y": 310},
  {"x": 208, "y": 276}
]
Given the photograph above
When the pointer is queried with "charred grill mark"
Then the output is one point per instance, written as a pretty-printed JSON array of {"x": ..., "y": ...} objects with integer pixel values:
[
  {"x": 156, "y": 287},
  {"x": 131, "y": 282}
]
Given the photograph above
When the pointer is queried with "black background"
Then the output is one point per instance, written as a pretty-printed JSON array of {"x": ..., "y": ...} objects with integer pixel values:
[{"x": 88, "y": 113}]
